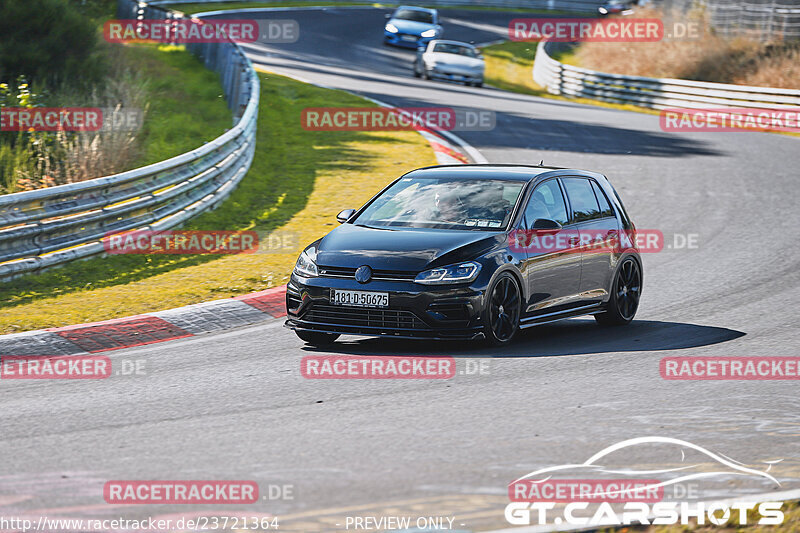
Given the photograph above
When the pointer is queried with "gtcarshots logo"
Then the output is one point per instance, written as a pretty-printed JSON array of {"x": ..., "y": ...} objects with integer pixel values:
[
  {"x": 180, "y": 492},
  {"x": 376, "y": 367},
  {"x": 607, "y": 502}
]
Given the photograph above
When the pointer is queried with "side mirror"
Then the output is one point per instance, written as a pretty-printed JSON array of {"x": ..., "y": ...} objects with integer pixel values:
[
  {"x": 387, "y": 16},
  {"x": 546, "y": 225},
  {"x": 344, "y": 215},
  {"x": 480, "y": 56}
]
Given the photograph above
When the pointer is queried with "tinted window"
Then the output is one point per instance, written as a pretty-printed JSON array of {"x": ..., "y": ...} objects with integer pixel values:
[
  {"x": 413, "y": 14},
  {"x": 546, "y": 202},
  {"x": 605, "y": 207},
  {"x": 581, "y": 196}
]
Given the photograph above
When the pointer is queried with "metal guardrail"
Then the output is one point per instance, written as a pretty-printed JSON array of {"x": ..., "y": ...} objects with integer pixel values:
[
  {"x": 657, "y": 93},
  {"x": 47, "y": 227},
  {"x": 766, "y": 20},
  {"x": 573, "y": 6}
]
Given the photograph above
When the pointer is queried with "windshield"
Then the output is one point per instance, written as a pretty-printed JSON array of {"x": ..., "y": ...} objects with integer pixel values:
[
  {"x": 446, "y": 48},
  {"x": 413, "y": 14},
  {"x": 444, "y": 203}
]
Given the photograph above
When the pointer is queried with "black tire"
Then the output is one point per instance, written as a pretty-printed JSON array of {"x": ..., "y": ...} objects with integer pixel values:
[
  {"x": 316, "y": 338},
  {"x": 425, "y": 75},
  {"x": 502, "y": 310},
  {"x": 625, "y": 294},
  {"x": 478, "y": 84},
  {"x": 416, "y": 72}
]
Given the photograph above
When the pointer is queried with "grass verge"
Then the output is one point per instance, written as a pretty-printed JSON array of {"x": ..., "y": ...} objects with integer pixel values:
[
  {"x": 186, "y": 106},
  {"x": 298, "y": 181}
]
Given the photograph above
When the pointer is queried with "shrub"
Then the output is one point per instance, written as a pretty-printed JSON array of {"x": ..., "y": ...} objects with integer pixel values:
[{"x": 47, "y": 40}]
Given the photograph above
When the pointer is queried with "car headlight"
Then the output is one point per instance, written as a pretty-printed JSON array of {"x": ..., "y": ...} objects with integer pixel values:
[
  {"x": 429, "y": 33},
  {"x": 603, "y": 11},
  {"x": 391, "y": 28},
  {"x": 460, "y": 273},
  {"x": 306, "y": 266}
]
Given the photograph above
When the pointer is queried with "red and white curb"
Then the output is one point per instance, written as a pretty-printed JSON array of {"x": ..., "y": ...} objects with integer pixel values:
[
  {"x": 202, "y": 318},
  {"x": 138, "y": 330}
]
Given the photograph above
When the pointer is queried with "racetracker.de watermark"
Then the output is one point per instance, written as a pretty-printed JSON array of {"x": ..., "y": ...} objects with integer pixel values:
[
  {"x": 180, "y": 492},
  {"x": 396, "y": 119},
  {"x": 586, "y": 490},
  {"x": 55, "y": 367},
  {"x": 730, "y": 119},
  {"x": 730, "y": 368},
  {"x": 181, "y": 31},
  {"x": 577, "y": 29},
  {"x": 88, "y": 119},
  {"x": 376, "y": 367},
  {"x": 567, "y": 30},
  {"x": 218, "y": 242}
]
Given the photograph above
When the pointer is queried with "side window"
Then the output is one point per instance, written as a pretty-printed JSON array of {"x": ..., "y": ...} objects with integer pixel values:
[
  {"x": 605, "y": 207},
  {"x": 546, "y": 202},
  {"x": 582, "y": 199}
]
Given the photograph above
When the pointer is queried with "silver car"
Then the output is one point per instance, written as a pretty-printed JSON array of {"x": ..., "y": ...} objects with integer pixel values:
[{"x": 450, "y": 60}]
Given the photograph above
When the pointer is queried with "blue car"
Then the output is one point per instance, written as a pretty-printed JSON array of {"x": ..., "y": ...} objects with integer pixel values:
[{"x": 412, "y": 27}]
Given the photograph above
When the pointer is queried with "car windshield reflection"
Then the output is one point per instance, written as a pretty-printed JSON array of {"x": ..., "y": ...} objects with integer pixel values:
[{"x": 474, "y": 204}]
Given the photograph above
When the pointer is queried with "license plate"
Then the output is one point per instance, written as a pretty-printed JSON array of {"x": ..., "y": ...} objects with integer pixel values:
[
  {"x": 360, "y": 298},
  {"x": 408, "y": 38}
]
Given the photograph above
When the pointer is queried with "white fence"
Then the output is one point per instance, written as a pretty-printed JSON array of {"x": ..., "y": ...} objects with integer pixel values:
[{"x": 657, "y": 93}]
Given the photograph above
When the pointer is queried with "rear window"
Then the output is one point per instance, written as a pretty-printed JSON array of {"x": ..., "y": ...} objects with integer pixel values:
[
  {"x": 582, "y": 199},
  {"x": 605, "y": 207}
]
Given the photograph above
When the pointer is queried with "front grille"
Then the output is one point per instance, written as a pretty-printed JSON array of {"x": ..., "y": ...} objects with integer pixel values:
[
  {"x": 363, "y": 317},
  {"x": 377, "y": 275}
]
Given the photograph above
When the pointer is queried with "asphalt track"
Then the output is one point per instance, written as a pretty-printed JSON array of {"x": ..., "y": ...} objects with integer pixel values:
[{"x": 234, "y": 406}]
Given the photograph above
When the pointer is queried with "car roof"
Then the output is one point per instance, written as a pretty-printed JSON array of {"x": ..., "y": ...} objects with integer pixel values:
[
  {"x": 447, "y": 41},
  {"x": 497, "y": 171},
  {"x": 416, "y": 8}
]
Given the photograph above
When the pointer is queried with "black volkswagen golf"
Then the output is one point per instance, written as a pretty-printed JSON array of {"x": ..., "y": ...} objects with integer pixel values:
[{"x": 470, "y": 252}]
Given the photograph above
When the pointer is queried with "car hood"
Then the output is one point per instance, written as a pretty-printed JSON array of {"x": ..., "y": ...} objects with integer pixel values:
[
  {"x": 455, "y": 60},
  {"x": 402, "y": 249},
  {"x": 411, "y": 26}
]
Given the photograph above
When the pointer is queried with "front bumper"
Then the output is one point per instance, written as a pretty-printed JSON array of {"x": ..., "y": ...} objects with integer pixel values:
[
  {"x": 406, "y": 40},
  {"x": 415, "y": 311},
  {"x": 443, "y": 74}
]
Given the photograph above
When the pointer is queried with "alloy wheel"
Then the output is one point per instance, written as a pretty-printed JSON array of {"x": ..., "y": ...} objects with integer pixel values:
[{"x": 504, "y": 309}]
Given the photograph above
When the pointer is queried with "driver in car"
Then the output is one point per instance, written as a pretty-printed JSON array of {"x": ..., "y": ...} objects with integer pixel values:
[{"x": 450, "y": 207}]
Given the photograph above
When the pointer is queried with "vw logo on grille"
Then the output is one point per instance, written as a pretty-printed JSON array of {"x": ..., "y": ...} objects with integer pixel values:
[{"x": 363, "y": 274}]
